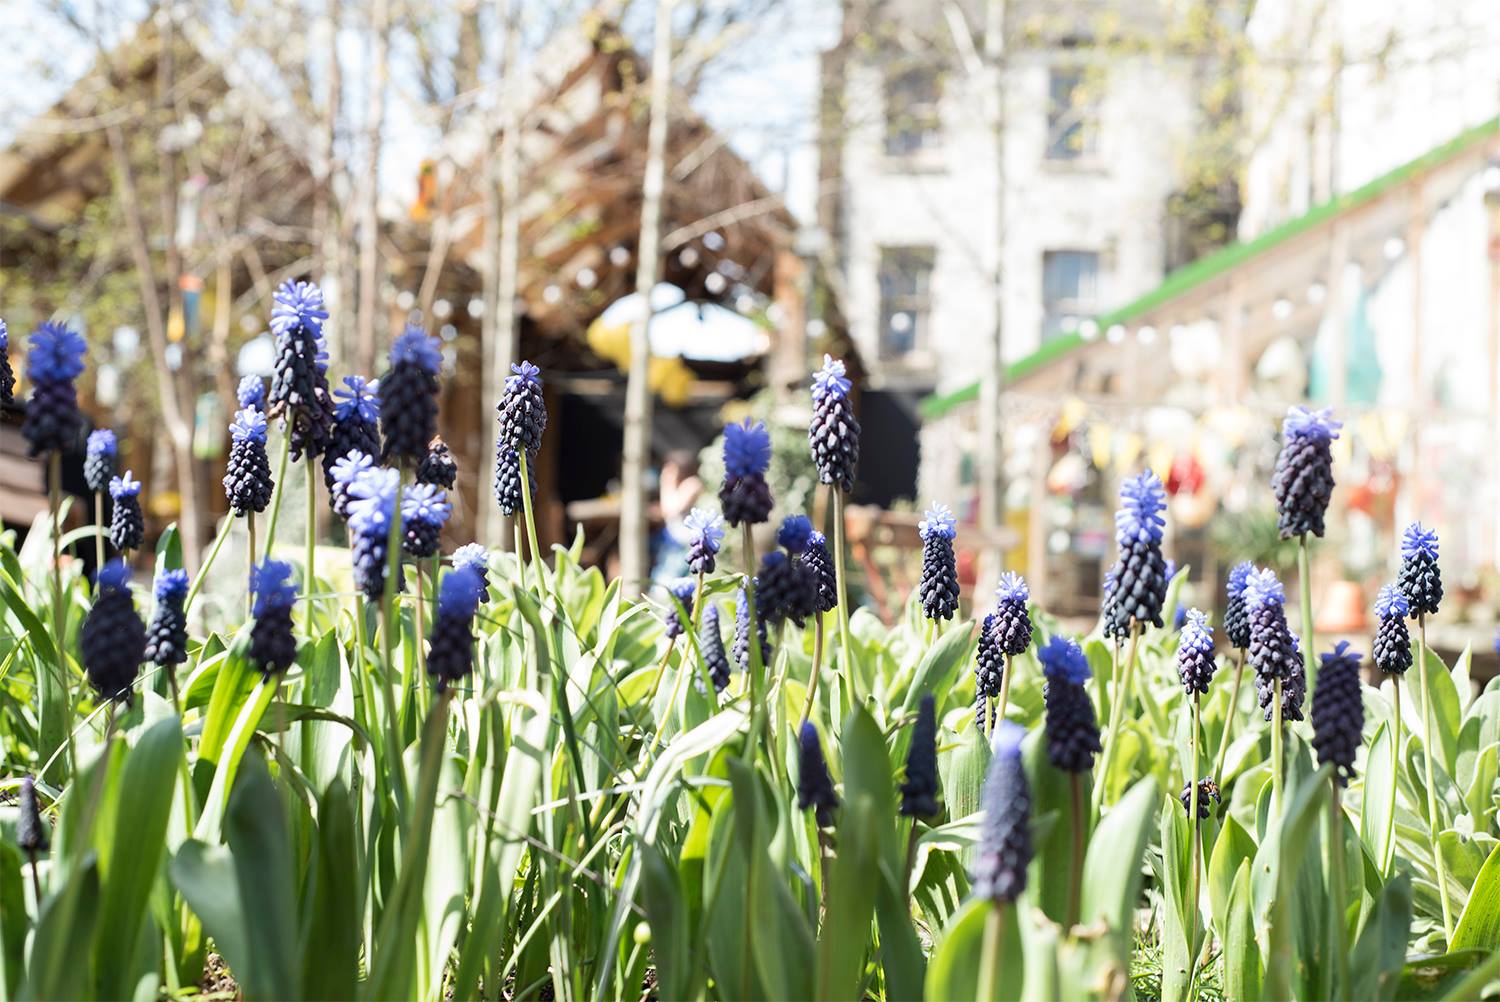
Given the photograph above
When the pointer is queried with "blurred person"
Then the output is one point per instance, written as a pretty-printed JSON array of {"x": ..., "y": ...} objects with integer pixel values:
[{"x": 679, "y": 488}]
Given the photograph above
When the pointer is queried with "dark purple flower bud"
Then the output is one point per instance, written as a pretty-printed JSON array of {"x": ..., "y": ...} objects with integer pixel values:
[
  {"x": 1421, "y": 580},
  {"x": 99, "y": 463},
  {"x": 273, "y": 647},
  {"x": 523, "y": 409},
  {"x": 299, "y": 383},
  {"x": 424, "y": 512},
  {"x": 833, "y": 434},
  {"x": 1004, "y": 850},
  {"x": 819, "y": 563},
  {"x": 474, "y": 557},
  {"x": 112, "y": 639},
  {"x": 1338, "y": 711},
  {"x": 167, "y": 637},
  {"x": 127, "y": 524},
  {"x": 1141, "y": 583},
  {"x": 438, "y": 466},
  {"x": 450, "y": 657},
  {"x": 1012, "y": 621},
  {"x": 1303, "y": 479},
  {"x": 1072, "y": 730},
  {"x": 31, "y": 831},
  {"x": 247, "y": 477},
  {"x": 682, "y": 591},
  {"x": 1208, "y": 791},
  {"x": 54, "y": 362},
  {"x": 705, "y": 533},
  {"x": 1392, "y": 648},
  {"x": 1236, "y": 620},
  {"x": 919, "y": 792},
  {"x": 814, "y": 786},
  {"x": 939, "y": 585},
  {"x": 711, "y": 644},
  {"x": 409, "y": 396},
  {"x": 1195, "y": 653}
]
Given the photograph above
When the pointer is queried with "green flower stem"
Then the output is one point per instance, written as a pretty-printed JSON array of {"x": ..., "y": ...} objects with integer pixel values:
[
  {"x": 225, "y": 528},
  {"x": 1310, "y": 641},
  {"x": 1388, "y": 865},
  {"x": 98, "y": 531},
  {"x": 1429, "y": 747},
  {"x": 249, "y": 561},
  {"x": 59, "y": 610},
  {"x": 1004, "y": 700},
  {"x": 1230, "y": 711},
  {"x": 310, "y": 587},
  {"x": 1197, "y": 850},
  {"x": 852, "y": 683},
  {"x": 1120, "y": 689},
  {"x": 990, "y": 953},
  {"x": 1338, "y": 891},
  {"x": 1276, "y": 751},
  {"x": 276, "y": 492},
  {"x": 817, "y": 665},
  {"x": 1080, "y": 822},
  {"x": 389, "y": 624},
  {"x": 752, "y": 639},
  {"x": 536, "y": 553}
]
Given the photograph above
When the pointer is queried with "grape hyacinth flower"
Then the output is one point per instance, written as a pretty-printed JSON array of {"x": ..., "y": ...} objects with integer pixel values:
[
  {"x": 508, "y": 480},
  {"x": 1116, "y": 624},
  {"x": 1293, "y": 687},
  {"x": 99, "y": 460},
  {"x": 1012, "y": 621},
  {"x": 356, "y": 428},
  {"x": 746, "y": 497},
  {"x": 814, "y": 784},
  {"x": 251, "y": 393},
  {"x": 31, "y": 833},
  {"x": 705, "y": 535},
  {"x": 834, "y": 431},
  {"x": 54, "y": 362},
  {"x": 711, "y": 644},
  {"x": 7, "y": 377},
  {"x": 1392, "y": 648},
  {"x": 167, "y": 636},
  {"x": 1338, "y": 711},
  {"x": 438, "y": 466},
  {"x": 523, "y": 409},
  {"x": 299, "y": 384},
  {"x": 795, "y": 534},
  {"x": 939, "y": 585},
  {"x": 372, "y": 505},
  {"x": 474, "y": 557},
  {"x": 682, "y": 590},
  {"x": 424, "y": 512},
  {"x": 273, "y": 647},
  {"x": 1072, "y": 730},
  {"x": 345, "y": 470},
  {"x": 1274, "y": 651},
  {"x": 1141, "y": 586},
  {"x": 1004, "y": 850},
  {"x": 1236, "y": 619},
  {"x": 127, "y": 526},
  {"x": 1420, "y": 579},
  {"x": 783, "y": 590},
  {"x": 408, "y": 396},
  {"x": 450, "y": 658},
  {"x": 247, "y": 478},
  {"x": 1303, "y": 478},
  {"x": 989, "y": 670},
  {"x": 1195, "y": 654},
  {"x": 112, "y": 639},
  {"x": 819, "y": 564},
  {"x": 1208, "y": 791},
  {"x": 741, "y": 647},
  {"x": 919, "y": 791}
]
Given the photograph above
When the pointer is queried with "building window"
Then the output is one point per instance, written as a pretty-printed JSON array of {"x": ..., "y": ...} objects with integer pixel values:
[
  {"x": 905, "y": 299},
  {"x": 1072, "y": 120},
  {"x": 1070, "y": 289},
  {"x": 913, "y": 122}
]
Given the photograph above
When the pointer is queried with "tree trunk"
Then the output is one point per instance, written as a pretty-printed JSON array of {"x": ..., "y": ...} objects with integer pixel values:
[
  {"x": 634, "y": 554},
  {"x": 369, "y": 223},
  {"x": 991, "y": 458},
  {"x": 502, "y": 242},
  {"x": 330, "y": 249}
]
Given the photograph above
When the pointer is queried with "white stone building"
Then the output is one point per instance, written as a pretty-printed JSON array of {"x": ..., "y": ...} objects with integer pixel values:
[{"x": 1093, "y": 141}]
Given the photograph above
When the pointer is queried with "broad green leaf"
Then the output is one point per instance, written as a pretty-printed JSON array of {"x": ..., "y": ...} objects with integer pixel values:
[
  {"x": 69, "y": 915},
  {"x": 1050, "y": 873},
  {"x": 131, "y": 846},
  {"x": 220, "y": 792},
  {"x": 331, "y": 940},
  {"x": 1479, "y": 925},
  {"x": 1479, "y": 798},
  {"x": 1112, "y": 873},
  {"x": 1277, "y": 867},
  {"x": 1241, "y": 954},
  {"x": 1445, "y": 710},
  {"x": 1376, "y": 806},
  {"x": 1179, "y": 913},
  {"x": 256, "y": 830},
  {"x": 1379, "y": 955},
  {"x": 1233, "y": 847},
  {"x": 954, "y": 969}
]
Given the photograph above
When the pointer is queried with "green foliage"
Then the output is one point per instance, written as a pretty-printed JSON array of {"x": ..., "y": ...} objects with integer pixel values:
[{"x": 580, "y": 819}]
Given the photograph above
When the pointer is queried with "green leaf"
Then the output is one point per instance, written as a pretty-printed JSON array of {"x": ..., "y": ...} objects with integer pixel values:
[
  {"x": 1112, "y": 874},
  {"x": 953, "y": 971},
  {"x": 1445, "y": 711},
  {"x": 937, "y": 672},
  {"x": 205, "y": 876},
  {"x": 330, "y": 959},
  {"x": 1233, "y": 847},
  {"x": 1479, "y": 926},
  {"x": 1050, "y": 873},
  {"x": 869, "y": 801},
  {"x": 1376, "y": 806},
  {"x": 235, "y": 744},
  {"x": 1179, "y": 914},
  {"x": 256, "y": 830},
  {"x": 1241, "y": 954},
  {"x": 68, "y": 919},
  {"x": 662, "y": 898},
  {"x": 1479, "y": 798},
  {"x": 1380, "y": 953},
  {"x": 131, "y": 845},
  {"x": 1277, "y": 868}
]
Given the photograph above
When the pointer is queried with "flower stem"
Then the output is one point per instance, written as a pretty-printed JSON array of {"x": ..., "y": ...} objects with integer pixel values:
[
  {"x": 276, "y": 492},
  {"x": 817, "y": 664},
  {"x": 1429, "y": 747},
  {"x": 310, "y": 588},
  {"x": 60, "y": 611},
  {"x": 1000, "y": 706},
  {"x": 249, "y": 561},
  {"x": 752, "y": 638},
  {"x": 98, "y": 531},
  {"x": 536, "y": 554},
  {"x": 1338, "y": 891},
  {"x": 1080, "y": 822},
  {"x": 1388, "y": 864},
  {"x": 213, "y": 554},
  {"x": 989, "y": 954},
  {"x": 852, "y": 682},
  {"x": 1197, "y": 842},
  {"x": 1234, "y": 702},
  {"x": 1310, "y": 642},
  {"x": 1276, "y": 750},
  {"x": 1116, "y": 708}
]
